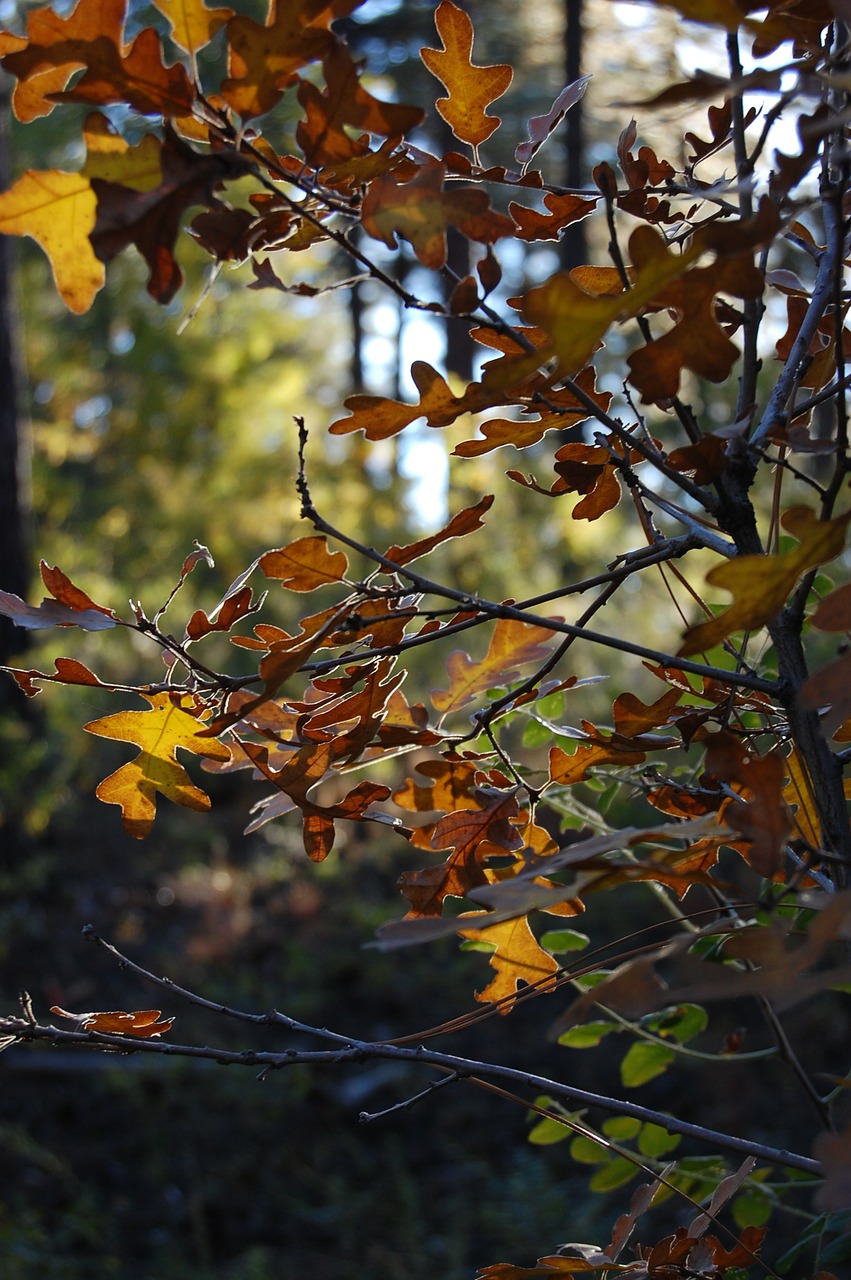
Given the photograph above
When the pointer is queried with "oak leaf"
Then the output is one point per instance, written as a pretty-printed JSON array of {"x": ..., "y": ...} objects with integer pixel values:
[
  {"x": 144, "y": 1024},
  {"x": 513, "y": 644},
  {"x": 518, "y": 958},
  {"x": 762, "y": 816},
  {"x": 58, "y": 210},
  {"x": 171, "y": 723},
  {"x": 192, "y": 24},
  {"x": 305, "y": 564},
  {"x": 345, "y": 102},
  {"x": 471, "y": 88},
  {"x": 67, "y": 671},
  {"x": 761, "y": 585},
  {"x": 264, "y": 57},
  {"x": 561, "y": 212},
  {"x": 539, "y": 128},
  {"x": 420, "y": 211}
]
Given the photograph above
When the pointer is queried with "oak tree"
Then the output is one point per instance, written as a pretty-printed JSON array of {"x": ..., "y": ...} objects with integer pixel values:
[{"x": 722, "y": 267}]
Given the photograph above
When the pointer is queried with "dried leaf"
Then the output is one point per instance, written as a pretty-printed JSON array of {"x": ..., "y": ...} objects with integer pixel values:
[
  {"x": 761, "y": 585},
  {"x": 58, "y": 210},
  {"x": 471, "y": 88},
  {"x": 192, "y": 24},
  {"x": 305, "y": 564},
  {"x": 145, "y": 1024},
  {"x": 539, "y": 128},
  {"x": 518, "y": 959},
  {"x": 512, "y": 645},
  {"x": 420, "y": 211}
]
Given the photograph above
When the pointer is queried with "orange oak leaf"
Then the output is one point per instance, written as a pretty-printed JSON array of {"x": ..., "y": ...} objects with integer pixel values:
[
  {"x": 518, "y": 958},
  {"x": 70, "y": 606},
  {"x": 192, "y": 24},
  {"x": 91, "y": 37},
  {"x": 420, "y": 211},
  {"x": 471, "y": 88},
  {"x": 68, "y": 671},
  {"x": 829, "y": 690},
  {"x": 513, "y": 644},
  {"x": 263, "y": 57},
  {"x": 58, "y": 210},
  {"x": 451, "y": 787},
  {"x": 459, "y": 526},
  {"x": 54, "y": 48},
  {"x": 696, "y": 342},
  {"x": 345, "y": 102},
  {"x": 761, "y": 585},
  {"x": 566, "y": 770},
  {"x": 470, "y": 832},
  {"x": 536, "y": 422},
  {"x": 762, "y": 817},
  {"x": 150, "y": 219},
  {"x": 561, "y": 212},
  {"x": 171, "y": 722},
  {"x": 144, "y": 1024},
  {"x": 305, "y": 564},
  {"x": 379, "y": 418},
  {"x": 239, "y": 605}
]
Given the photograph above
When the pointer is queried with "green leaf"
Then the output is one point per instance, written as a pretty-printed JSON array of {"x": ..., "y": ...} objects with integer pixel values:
[
  {"x": 588, "y": 1035},
  {"x": 587, "y": 1151},
  {"x": 643, "y": 1062},
  {"x": 548, "y": 1131},
  {"x": 557, "y": 941},
  {"x": 752, "y": 1210},
  {"x": 681, "y": 1022},
  {"x": 621, "y": 1128},
  {"x": 654, "y": 1141},
  {"x": 612, "y": 1175}
]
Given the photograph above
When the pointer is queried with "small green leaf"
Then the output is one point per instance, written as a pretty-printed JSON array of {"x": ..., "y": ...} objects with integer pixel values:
[
  {"x": 474, "y": 944},
  {"x": 557, "y": 941},
  {"x": 654, "y": 1141},
  {"x": 548, "y": 1131},
  {"x": 588, "y": 1035},
  {"x": 621, "y": 1128},
  {"x": 643, "y": 1062},
  {"x": 587, "y": 1151},
  {"x": 751, "y": 1210},
  {"x": 681, "y": 1022},
  {"x": 612, "y": 1175},
  {"x": 536, "y": 734}
]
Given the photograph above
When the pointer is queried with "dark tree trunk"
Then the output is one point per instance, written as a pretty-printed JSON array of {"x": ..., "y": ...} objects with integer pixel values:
[{"x": 14, "y": 456}]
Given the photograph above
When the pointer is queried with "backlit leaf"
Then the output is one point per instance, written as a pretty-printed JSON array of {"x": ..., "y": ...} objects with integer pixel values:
[
  {"x": 518, "y": 959},
  {"x": 539, "y": 128},
  {"x": 513, "y": 644},
  {"x": 192, "y": 24},
  {"x": 471, "y": 88},
  {"x": 58, "y": 210},
  {"x": 145, "y": 1024},
  {"x": 305, "y": 564},
  {"x": 170, "y": 723},
  {"x": 420, "y": 211},
  {"x": 761, "y": 585}
]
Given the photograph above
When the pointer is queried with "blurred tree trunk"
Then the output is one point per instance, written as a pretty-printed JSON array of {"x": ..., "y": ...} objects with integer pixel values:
[{"x": 14, "y": 453}]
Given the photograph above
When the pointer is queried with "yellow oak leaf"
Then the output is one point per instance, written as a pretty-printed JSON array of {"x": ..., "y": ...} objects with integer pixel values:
[
  {"x": 760, "y": 585},
  {"x": 170, "y": 723},
  {"x": 58, "y": 210},
  {"x": 471, "y": 89},
  {"x": 518, "y": 958},
  {"x": 513, "y": 643},
  {"x": 111, "y": 159},
  {"x": 193, "y": 25}
]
